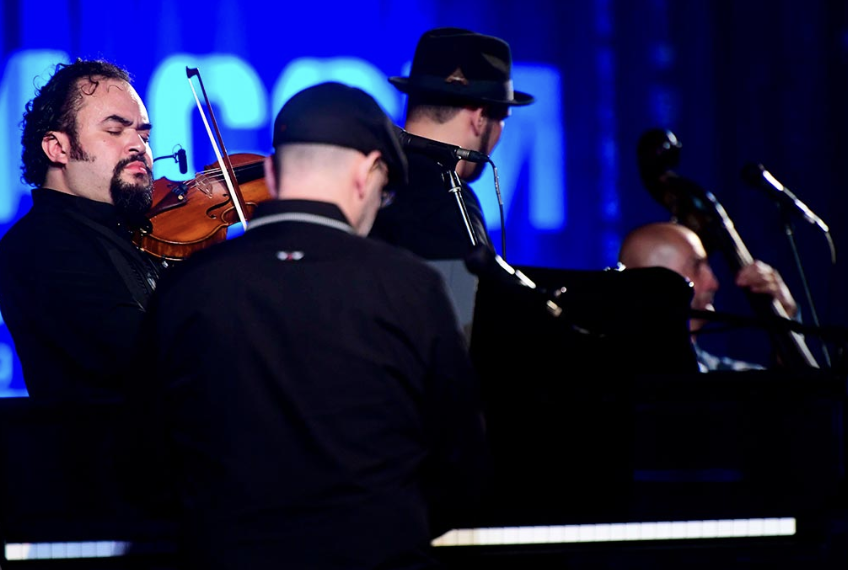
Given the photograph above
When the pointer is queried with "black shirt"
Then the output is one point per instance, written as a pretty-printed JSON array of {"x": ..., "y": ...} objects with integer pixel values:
[
  {"x": 73, "y": 289},
  {"x": 425, "y": 217},
  {"x": 318, "y": 396}
]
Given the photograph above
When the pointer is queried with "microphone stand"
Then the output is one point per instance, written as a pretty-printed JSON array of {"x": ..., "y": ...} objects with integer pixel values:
[
  {"x": 454, "y": 186},
  {"x": 790, "y": 235},
  {"x": 484, "y": 262}
]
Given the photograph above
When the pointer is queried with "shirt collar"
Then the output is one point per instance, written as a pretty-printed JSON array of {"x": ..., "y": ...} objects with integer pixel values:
[
  {"x": 324, "y": 209},
  {"x": 100, "y": 212}
]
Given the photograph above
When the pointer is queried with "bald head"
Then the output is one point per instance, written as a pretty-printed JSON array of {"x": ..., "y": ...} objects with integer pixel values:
[
  {"x": 674, "y": 247},
  {"x": 662, "y": 244}
]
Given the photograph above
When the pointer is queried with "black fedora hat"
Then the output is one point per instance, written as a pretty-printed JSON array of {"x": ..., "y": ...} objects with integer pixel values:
[{"x": 455, "y": 63}]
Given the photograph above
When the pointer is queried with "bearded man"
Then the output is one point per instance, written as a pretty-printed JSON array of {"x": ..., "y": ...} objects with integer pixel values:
[{"x": 73, "y": 287}]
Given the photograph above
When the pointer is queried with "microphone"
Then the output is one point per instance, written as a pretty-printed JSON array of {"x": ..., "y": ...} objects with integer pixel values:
[
  {"x": 437, "y": 150},
  {"x": 483, "y": 262},
  {"x": 181, "y": 159},
  {"x": 756, "y": 175}
]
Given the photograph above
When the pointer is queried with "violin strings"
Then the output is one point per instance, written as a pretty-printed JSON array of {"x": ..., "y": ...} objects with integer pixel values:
[{"x": 212, "y": 175}]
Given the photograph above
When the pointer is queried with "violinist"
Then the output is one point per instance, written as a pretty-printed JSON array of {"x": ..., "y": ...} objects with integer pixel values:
[
  {"x": 73, "y": 287},
  {"x": 676, "y": 247}
]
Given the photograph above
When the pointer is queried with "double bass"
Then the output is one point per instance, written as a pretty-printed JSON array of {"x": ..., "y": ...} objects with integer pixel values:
[{"x": 658, "y": 153}]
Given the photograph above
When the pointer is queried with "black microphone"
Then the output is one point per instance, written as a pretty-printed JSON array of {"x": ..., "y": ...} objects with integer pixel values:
[
  {"x": 756, "y": 175},
  {"x": 483, "y": 262},
  {"x": 438, "y": 150},
  {"x": 181, "y": 159}
]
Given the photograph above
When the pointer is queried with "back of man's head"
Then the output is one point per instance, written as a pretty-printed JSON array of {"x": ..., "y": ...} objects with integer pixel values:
[{"x": 337, "y": 115}]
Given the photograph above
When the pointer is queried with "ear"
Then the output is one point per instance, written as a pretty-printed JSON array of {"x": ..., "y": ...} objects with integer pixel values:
[
  {"x": 271, "y": 175},
  {"x": 478, "y": 120},
  {"x": 363, "y": 170},
  {"x": 57, "y": 147}
]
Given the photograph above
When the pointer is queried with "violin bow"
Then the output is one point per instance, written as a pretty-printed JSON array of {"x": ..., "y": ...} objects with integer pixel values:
[{"x": 226, "y": 165}]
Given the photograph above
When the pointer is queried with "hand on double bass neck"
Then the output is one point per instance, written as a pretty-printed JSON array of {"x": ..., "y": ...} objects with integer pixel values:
[
  {"x": 194, "y": 214},
  {"x": 760, "y": 277}
]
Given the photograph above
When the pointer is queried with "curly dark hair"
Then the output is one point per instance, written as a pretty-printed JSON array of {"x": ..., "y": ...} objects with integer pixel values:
[{"x": 55, "y": 107}]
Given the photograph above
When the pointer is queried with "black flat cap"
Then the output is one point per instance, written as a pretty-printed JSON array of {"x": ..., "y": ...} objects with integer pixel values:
[{"x": 340, "y": 115}]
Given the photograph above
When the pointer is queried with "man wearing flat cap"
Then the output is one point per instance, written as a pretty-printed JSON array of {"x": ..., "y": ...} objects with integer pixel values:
[
  {"x": 459, "y": 92},
  {"x": 314, "y": 386}
]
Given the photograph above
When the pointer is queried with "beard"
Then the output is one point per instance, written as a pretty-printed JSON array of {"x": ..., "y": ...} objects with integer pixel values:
[
  {"x": 132, "y": 199},
  {"x": 484, "y": 148}
]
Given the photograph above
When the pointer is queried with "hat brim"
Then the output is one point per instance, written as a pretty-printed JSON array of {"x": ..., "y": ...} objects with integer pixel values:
[{"x": 409, "y": 85}]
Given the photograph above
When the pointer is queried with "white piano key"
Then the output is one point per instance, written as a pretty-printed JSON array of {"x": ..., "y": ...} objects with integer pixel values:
[
  {"x": 740, "y": 527},
  {"x": 755, "y": 527},
  {"x": 677, "y": 530},
  {"x": 59, "y": 550},
  {"x": 586, "y": 533},
  {"x": 465, "y": 536},
  {"x": 616, "y": 532},
  {"x": 788, "y": 526},
  {"x": 694, "y": 529},
  {"x": 603, "y": 533},
  {"x": 725, "y": 528},
  {"x": 633, "y": 531},
  {"x": 17, "y": 551}
]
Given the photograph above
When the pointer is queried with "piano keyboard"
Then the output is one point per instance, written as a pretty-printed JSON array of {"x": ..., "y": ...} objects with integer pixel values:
[
  {"x": 65, "y": 550},
  {"x": 618, "y": 532},
  {"x": 560, "y": 534}
]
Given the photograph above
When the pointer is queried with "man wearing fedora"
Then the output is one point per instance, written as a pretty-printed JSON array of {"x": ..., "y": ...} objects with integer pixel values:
[{"x": 459, "y": 92}]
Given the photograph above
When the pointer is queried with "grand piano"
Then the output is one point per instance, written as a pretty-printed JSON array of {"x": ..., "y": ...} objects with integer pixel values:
[{"x": 611, "y": 449}]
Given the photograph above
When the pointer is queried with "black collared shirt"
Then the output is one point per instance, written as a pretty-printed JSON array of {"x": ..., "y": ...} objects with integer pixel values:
[
  {"x": 73, "y": 289},
  {"x": 323, "y": 407},
  {"x": 425, "y": 218}
]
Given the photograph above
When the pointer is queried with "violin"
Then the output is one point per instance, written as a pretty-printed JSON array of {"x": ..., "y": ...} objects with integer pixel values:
[
  {"x": 188, "y": 216},
  {"x": 194, "y": 214},
  {"x": 694, "y": 207}
]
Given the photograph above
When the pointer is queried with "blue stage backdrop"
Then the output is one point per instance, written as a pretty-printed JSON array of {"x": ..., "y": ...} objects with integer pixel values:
[{"x": 736, "y": 81}]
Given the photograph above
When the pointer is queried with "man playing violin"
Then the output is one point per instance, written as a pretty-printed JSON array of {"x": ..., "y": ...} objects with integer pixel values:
[
  {"x": 73, "y": 288},
  {"x": 314, "y": 388},
  {"x": 676, "y": 247}
]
